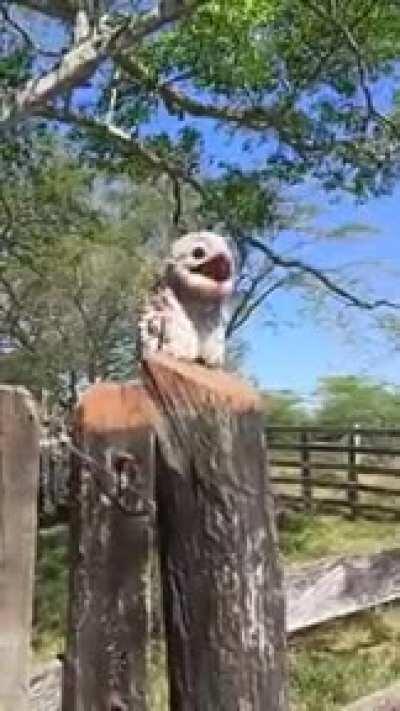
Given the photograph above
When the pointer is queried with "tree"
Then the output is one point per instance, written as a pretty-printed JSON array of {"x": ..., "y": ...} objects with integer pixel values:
[
  {"x": 74, "y": 265},
  {"x": 74, "y": 317},
  {"x": 285, "y": 409},
  {"x": 298, "y": 81},
  {"x": 349, "y": 400}
]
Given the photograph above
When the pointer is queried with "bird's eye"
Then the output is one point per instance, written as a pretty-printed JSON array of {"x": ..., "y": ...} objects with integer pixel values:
[{"x": 199, "y": 253}]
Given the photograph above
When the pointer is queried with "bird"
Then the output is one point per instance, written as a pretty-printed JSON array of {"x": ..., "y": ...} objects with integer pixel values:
[{"x": 186, "y": 313}]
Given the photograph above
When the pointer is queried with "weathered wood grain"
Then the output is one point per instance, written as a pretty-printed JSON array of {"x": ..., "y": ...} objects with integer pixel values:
[
  {"x": 332, "y": 589},
  {"x": 19, "y": 473},
  {"x": 223, "y": 597},
  {"x": 106, "y": 665}
]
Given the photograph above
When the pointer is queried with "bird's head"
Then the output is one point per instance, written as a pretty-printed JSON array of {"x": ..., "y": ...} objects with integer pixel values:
[{"x": 202, "y": 264}]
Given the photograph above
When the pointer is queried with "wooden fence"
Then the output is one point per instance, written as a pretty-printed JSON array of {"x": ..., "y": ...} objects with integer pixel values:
[
  {"x": 355, "y": 471},
  {"x": 362, "y": 464}
]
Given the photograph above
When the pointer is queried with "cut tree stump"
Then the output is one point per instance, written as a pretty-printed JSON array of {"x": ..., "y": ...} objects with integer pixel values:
[
  {"x": 222, "y": 584},
  {"x": 106, "y": 665},
  {"x": 19, "y": 474}
]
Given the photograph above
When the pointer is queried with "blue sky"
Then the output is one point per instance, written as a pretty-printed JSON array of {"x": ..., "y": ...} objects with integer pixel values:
[{"x": 301, "y": 349}]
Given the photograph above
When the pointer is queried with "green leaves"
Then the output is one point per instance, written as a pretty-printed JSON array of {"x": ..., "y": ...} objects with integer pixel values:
[
  {"x": 224, "y": 46},
  {"x": 343, "y": 401},
  {"x": 349, "y": 400},
  {"x": 243, "y": 201},
  {"x": 15, "y": 68},
  {"x": 74, "y": 266}
]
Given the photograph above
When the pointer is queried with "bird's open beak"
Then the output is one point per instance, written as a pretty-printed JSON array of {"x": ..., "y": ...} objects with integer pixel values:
[{"x": 218, "y": 268}]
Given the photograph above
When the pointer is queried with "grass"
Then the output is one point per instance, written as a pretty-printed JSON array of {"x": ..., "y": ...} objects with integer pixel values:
[
  {"x": 50, "y": 593},
  {"x": 329, "y": 666},
  {"x": 344, "y": 660},
  {"x": 306, "y": 538},
  {"x": 338, "y": 662}
]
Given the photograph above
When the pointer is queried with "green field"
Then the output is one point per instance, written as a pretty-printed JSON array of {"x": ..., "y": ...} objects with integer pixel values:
[{"x": 329, "y": 666}]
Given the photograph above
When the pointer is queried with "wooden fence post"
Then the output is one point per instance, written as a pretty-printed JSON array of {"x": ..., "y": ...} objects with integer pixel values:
[
  {"x": 107, "y": 658},
  {"x": 223, "y": 597},
  {"x": 19, "y": 474},
  {"x": 352, "y": 474},
  {"x": 306, "y": 472}
]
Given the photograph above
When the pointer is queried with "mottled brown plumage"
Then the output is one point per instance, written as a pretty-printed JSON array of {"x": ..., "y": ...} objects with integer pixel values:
[{"x": 186, "y": 314}]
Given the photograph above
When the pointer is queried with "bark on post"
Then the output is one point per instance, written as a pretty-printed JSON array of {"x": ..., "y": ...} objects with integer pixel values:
[
  {"x": 223, "y": 597},
  {"x": 106, "y": 663},
  {"x": 19, "y": 474}
]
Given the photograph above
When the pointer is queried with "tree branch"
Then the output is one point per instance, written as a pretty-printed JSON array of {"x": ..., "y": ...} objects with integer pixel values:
[
  {"x": 74, "y": 68},
  {"x": 177, "y": 201},
  {"x": 248, "y": 295},
  {"x": 128, "y": 143},
  {"x": 325, "y": 56},
  {"x": 27, "y": 39},
  {"x": 62, "y": 9},
  {"x": 320, "y": 276},
  {"x": 353, "y": 46},
  {"x": 17, "y": 330},
  {"x": 257, "y": 118},
  {"x": 247, "y": 307},
  {"x": 8, "y": 218},
  {"x": 362, "y": 67},
  {"x": 81, "y": 61}
]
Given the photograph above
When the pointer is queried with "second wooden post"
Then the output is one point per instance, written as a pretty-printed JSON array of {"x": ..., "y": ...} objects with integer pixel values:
[
  {"x": 223, "y": 597},
  {"x": 108, "y": 642}
]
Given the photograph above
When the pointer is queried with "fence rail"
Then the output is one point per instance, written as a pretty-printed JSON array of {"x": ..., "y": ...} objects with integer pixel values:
[{"x": 357, "y": 470}]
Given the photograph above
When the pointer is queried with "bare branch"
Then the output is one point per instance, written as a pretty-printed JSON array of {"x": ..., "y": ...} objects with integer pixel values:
[
  {"x": 250, "y": 292},
  {"x": 27, "y": 39},
  {"x": 177, "y": 198},
  {"x": 113, "y": 96},
  {"x": 320, "y": 276},
  {"x": 82, "y": 28},
  {"x": 62, "y": 9},
  {"x": 248, "y": 306},
  {"x": 183, "y": 76}
]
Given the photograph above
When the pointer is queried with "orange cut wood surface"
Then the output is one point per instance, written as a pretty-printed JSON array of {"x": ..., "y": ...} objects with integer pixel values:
[{"x": 108, "y": 407}]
